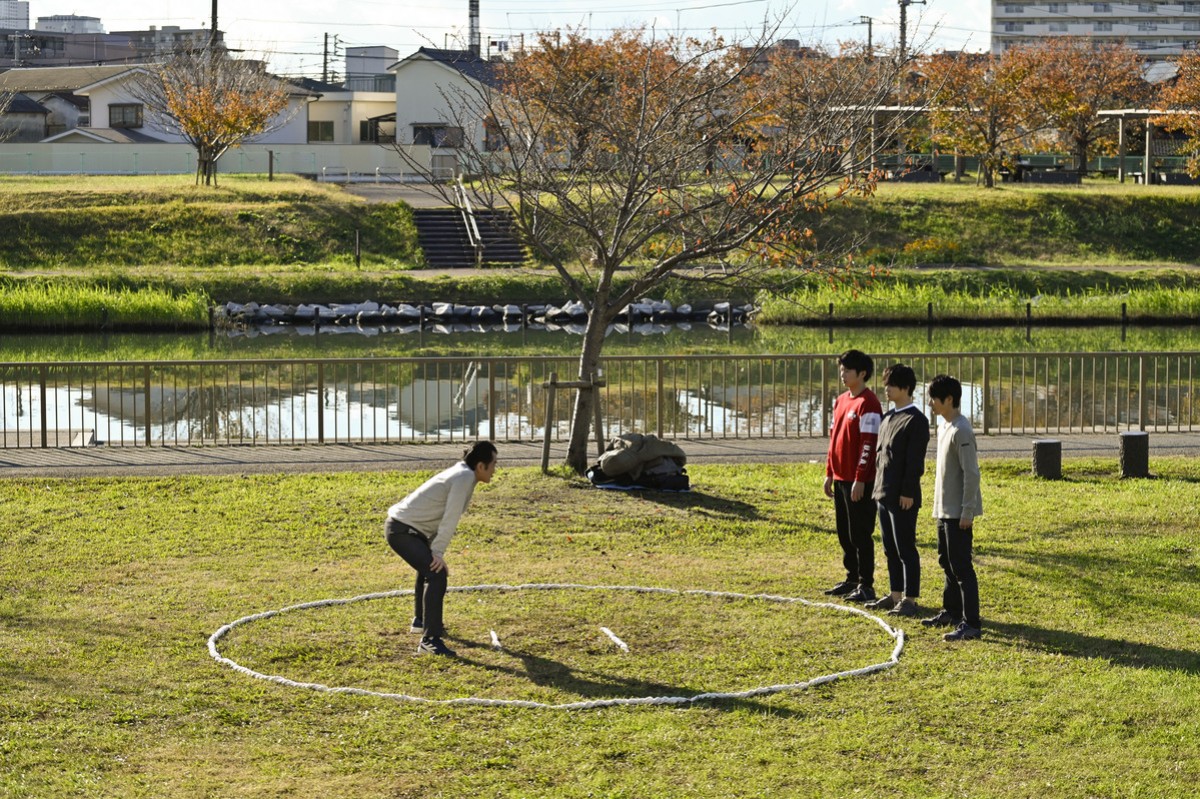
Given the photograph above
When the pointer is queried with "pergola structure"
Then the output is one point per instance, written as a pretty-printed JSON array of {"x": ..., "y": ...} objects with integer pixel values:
[
  {"x": 1121, "y": 115},
  {"x": 880, "y": 114}
]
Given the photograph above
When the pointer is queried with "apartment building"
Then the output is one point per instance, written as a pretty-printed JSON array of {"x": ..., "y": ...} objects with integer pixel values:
[
  {"x": 14, "y": 15},
  {"x": 1157, "y": 30}
]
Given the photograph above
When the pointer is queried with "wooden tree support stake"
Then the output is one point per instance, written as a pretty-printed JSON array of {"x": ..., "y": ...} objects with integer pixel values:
[{"x": 552, "y": 385}]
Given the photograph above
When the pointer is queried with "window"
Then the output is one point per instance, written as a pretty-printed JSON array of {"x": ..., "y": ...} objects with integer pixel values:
[
  {"x": 377, "y": 131},
  {"x": 1101, "y": 8},
  {"x": 1014, "y": 9},
  {"x": 125, "y": 115},
  {"x": 1102, "y": 26},
  {"x": 1191, "y": 8},
  {"x": 1147, "y": 26},
  {"x": 1191, "y": 25},
  {"x": 437, "y": 135},
  {"x": 1014, "y": 27},
  {"x": 1057, "y": 8},
  {"x": 1146, "y": 8},
  {"x": 320, "y": 131},
  {"x": 1057, "y": 27}
]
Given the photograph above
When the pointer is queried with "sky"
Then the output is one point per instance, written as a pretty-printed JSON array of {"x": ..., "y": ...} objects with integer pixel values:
[{"x": 292, "y": 32}]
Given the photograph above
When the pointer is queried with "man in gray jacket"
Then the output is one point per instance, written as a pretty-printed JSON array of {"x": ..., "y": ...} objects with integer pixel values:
[{"x": 956, "y": 503}]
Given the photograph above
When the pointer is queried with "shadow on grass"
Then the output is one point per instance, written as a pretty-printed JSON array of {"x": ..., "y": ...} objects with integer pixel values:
[
  {"x": 589, "y": 685},
  {"x": 1118, "y": 651},
  {"x": 698, "y": 500}
]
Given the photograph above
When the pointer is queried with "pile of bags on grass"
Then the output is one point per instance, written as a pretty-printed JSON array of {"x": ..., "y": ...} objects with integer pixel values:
[{"x": 635, "y": 461}]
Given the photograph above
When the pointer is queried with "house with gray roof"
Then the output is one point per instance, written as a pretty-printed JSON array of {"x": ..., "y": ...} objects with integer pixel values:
[{"x": 428, "y": 85}]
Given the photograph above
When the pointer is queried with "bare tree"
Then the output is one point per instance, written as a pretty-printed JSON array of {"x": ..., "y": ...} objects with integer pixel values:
[
  {"x": 669, "y": 158},
  {"x": 7, "y": 131},
  {"x": 213, "y": 101}
]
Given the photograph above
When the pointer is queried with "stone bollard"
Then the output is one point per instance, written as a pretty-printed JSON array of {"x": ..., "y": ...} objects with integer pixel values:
[
  {"x": 1135, "y": 454},
  {"x": 1047, "y": 458}
]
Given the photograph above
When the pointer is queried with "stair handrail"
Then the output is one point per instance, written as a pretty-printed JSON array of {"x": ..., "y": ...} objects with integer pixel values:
[{"x": 468, "y": 215}]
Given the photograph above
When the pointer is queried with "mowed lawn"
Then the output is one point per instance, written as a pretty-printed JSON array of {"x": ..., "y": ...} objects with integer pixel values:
[{"x": 1086, "y": 683}]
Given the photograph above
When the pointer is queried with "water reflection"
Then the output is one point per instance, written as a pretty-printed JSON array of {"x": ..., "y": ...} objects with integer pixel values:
[
  {"x": 389, "y": 399},
  {"x": 349, "y": 342}
]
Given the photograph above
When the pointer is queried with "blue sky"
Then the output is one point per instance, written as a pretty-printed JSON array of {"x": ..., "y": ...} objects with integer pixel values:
[{"x": 293, "y": 30}]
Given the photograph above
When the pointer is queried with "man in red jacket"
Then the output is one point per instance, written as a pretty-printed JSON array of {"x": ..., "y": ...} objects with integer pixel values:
[{"x": 850, "y": 473}]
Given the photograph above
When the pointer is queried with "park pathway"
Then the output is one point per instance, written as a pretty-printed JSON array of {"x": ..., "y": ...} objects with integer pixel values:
[{"x": 163, "y": 461}]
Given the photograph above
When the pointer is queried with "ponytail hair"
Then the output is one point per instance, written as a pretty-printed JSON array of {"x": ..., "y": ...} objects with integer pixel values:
[{"x": 480, "y": 452}]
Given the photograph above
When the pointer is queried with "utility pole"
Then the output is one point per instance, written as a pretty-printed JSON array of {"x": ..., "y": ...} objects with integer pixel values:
[
  {"x": 904, "y": 4},
  {"x": 325, "y": 61},
  {"x": 212, "y": 34},
  {"x": 865, "y": 20}
]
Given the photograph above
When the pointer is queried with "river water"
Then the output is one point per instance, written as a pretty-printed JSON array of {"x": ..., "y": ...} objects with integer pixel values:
[
  {"x": 349, "y": 342},
  {"x": 95, "y": 392}
]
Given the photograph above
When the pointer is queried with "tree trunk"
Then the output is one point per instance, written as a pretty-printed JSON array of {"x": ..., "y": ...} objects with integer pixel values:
[
  {"x": 582, "y": 414},
  {"x": 987, "y": 165}
]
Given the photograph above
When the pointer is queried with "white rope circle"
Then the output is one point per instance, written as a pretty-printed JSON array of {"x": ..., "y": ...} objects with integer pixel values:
[{"x": 895, "y": 634}]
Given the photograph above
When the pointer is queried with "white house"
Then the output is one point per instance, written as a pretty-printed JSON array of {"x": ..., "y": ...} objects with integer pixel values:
[
  {"x": 429, "y": 84},
  {"x": 24, "y": 119},
  {"x": 55, "y": 89},
  {"x": 341, "y": 116},
  {"x": 114, "y": 113}
]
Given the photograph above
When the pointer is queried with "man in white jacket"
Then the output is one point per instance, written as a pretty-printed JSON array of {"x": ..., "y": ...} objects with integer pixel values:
[
  {"x": 957, "y": 501},
  {"x": 419, "y": 529}
]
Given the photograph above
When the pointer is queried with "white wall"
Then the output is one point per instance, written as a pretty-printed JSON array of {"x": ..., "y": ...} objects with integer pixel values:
[
  {"x": 427, "y": 91},
  {"x": 347, "y": 109},
  {"x": 332, "y": 160}
]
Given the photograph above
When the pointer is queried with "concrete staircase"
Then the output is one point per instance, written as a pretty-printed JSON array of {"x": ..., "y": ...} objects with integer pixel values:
[{"x": 443, "y": 237}]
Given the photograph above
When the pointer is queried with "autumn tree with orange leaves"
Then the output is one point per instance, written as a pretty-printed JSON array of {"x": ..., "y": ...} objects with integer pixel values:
[
  {"x": 1071, "y": 79},
  {"x": 979, "y": 106},
  {"x": 213, "y": 101},
  {"x": 667, "y": 158},
  {"x": 1182, "y": 96}
]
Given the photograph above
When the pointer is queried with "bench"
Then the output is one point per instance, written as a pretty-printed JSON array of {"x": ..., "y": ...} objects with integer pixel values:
[
  {"x": 1175, "y": 179},
  {"x": 1052, "y": 176}
]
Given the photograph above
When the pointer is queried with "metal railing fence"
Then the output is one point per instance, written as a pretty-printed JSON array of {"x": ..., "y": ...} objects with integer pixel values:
[{"x": 312, "y": 401}]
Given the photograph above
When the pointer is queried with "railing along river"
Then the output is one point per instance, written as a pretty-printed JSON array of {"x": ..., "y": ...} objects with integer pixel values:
[{"x": 178, "y": 403}]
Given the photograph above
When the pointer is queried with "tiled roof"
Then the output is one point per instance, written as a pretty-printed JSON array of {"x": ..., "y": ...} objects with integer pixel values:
[
  {"x": 23, "y": 104},
  {"x": 473, "y": 66},
  {"x": 58, "y": 79}
]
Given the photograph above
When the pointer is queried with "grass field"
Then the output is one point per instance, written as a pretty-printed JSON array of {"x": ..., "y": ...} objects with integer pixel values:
[
  {"x": 143, "y": 224},
  {"x": 1086, "y": 684}
]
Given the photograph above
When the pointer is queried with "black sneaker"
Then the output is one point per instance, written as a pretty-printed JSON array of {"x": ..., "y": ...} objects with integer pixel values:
[
  {"x": 417, "y": 626},
  {"x": 884, "y": 602},
  {"x": 863, "y": 593},
  {"x": 434, "y": 646},
  {"x": 842, "y": 588},
  {"x": 905, "y": 607},
  {"x": 964, "y": 632},
  {"x": 943, "y": 619}
]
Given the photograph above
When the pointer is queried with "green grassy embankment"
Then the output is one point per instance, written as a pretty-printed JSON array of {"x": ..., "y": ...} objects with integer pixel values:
[{"x": 82, "y": 247}]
